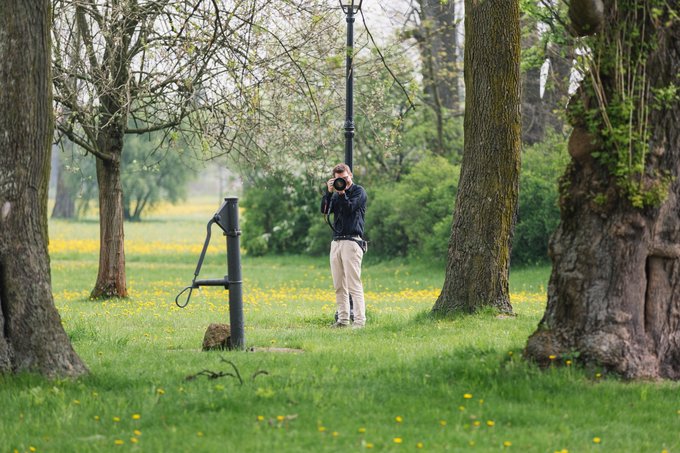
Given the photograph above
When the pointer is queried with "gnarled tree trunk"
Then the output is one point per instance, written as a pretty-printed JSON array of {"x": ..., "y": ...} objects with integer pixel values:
[
  {"x": 31, "y": 335},
  {"x": 478, "y": 261},
  {"x": 614, "y": 292}
]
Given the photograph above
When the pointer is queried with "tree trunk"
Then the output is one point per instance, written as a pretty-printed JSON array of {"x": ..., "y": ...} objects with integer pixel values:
[
  {"x": 540, "y": 113},
  {"x": 438, "y": 20},
  {"x": 438, "y": 45},
  {"x": 31, "y": 335},
  {"x": 614, "y": 292},
  {"x": 64, "y": 203},
  {"x": 479, "y": 250},
  {"x": 111, "y": 275}
]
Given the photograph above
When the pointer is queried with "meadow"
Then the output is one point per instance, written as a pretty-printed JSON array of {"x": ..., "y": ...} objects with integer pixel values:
[{"x": 406, "y": 382}]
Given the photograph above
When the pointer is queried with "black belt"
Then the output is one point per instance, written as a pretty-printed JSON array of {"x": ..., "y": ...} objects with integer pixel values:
[{"x": 358, "y": 239}]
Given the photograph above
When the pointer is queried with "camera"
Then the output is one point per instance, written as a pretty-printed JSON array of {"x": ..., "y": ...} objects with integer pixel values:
[{"x": 339, "y": 184}]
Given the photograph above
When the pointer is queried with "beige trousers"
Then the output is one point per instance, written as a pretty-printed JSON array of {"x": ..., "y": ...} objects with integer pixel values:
[{"x": 346, "y": 259}]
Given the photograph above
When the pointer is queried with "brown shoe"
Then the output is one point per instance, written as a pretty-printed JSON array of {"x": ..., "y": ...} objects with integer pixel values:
[{"x": 338, "y": 325}]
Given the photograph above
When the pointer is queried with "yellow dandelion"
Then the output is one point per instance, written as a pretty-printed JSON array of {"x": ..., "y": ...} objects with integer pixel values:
[
  {"x": 32, "y": 448},
  {"x": 507, "y": 443},
  {"x": 509, "y": 352},
  {"x": 335, "y": 434},
  {"x": 362, "y": 430},
  {"x": 134, "y": 440},
  {"x": 471, "y": 443},
  {"x": 598, "y": 375},
  {"x": 490, "y": 423},
  {"x": 397, "y": 440},
  {"x": 160, "y": 391},
  {"x": 568, "y": 362},
  {"x": 442, "y": 422},
  {"x": 369, "y": 445},
  {"x": 398, "y": 419},
  {"x": 552, "y": 356},
  {"x": 476, "y": 423},
  {"x": 280, "y": 418},
  {"x": 322, "y": 429},
  {"x": 461, "y": 408},
  {"x": 260, "y": 418},
  {"x": 96, "y": 418},
  {"x": 137, "y": 432},
  {"x": 596, "y": 440},
  {"x": 136, "y": 416},
  {"x": 116, "y": 419},
  {"x": 118, "y": 442},
  {"x": 420, "y": 445},
  {"x": 468, "y": 396},
  {"x": 199, "y": 434}
]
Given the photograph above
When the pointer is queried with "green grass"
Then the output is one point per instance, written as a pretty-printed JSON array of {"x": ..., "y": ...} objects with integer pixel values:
[{"x": 403, "y": 379}]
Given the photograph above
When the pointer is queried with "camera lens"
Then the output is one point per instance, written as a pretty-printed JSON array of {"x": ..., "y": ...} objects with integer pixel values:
[{"x": 339, "y": 184}]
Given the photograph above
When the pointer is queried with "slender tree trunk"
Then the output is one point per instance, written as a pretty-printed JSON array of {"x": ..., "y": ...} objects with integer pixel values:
[
  {"x": 614, "y": 292},
  {"x": 111, "y": 275},
  {"x": 31, "y": 335},
  {"x": 479, "y": 250}
]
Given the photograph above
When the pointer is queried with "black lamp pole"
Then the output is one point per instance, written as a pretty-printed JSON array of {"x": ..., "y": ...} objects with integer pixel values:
[{"x": 350, "y": 9}]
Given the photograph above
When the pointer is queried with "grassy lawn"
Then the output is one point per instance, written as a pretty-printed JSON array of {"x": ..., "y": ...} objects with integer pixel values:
[{"x": 405, "y": 383}]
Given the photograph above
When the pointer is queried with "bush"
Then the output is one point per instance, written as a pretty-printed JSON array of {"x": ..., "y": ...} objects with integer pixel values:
[
  {"x": 279, "y": 210},
  {"x": 539, "y": 213},
  {"x": 413, "y": 217},
  {"x": 409, "y": 218}
]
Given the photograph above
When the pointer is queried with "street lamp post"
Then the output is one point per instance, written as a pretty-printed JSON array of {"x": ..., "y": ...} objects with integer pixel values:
[{"x": 350, "y": 7}]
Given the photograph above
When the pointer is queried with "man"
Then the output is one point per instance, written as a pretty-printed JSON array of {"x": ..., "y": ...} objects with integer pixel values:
[{"x": 347, "y": 202}]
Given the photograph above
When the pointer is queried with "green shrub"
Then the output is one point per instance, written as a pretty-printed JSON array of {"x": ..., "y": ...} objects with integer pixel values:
[
  {"x": 279, "y": 210},
  {"x": 539, "y": 213},
  {"x": 413, "y": 217}
]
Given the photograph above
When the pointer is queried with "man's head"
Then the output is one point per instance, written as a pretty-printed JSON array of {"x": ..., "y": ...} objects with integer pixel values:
[{"x": 343, "y": 171}]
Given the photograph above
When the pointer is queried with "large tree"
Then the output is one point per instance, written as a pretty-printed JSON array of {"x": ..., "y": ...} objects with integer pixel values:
[
  {"x": 478, "y": 260},
  {"x": 188, "y": 68},
  {"x": 31, "y": 335},
  {"x": 614, "y": 292}
]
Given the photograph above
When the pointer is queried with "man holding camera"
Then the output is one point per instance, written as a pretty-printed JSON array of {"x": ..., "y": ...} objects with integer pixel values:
[{"x": 347, "y": 202}]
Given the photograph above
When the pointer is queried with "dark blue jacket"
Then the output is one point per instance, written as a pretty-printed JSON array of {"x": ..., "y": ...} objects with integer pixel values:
[{"x": 349, "y": 211}]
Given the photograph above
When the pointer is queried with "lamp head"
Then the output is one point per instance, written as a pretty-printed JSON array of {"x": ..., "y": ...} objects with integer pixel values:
[{"x": 350, "y": 6}]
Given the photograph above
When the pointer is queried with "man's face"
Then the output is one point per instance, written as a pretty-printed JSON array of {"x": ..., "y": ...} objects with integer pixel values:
[{"x": 346, "y": 176}]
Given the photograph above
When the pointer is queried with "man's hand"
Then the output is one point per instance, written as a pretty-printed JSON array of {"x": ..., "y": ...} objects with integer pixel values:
[{"x": 329, "y": 183}]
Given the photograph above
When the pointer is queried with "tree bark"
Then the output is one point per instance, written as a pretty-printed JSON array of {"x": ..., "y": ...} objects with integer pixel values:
[
  {"x": 31, "y": 335},
  {"x": 614, "y": 291},
  {"x": 111, "y": 276},
  {"x": 479, "y": 250}
]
